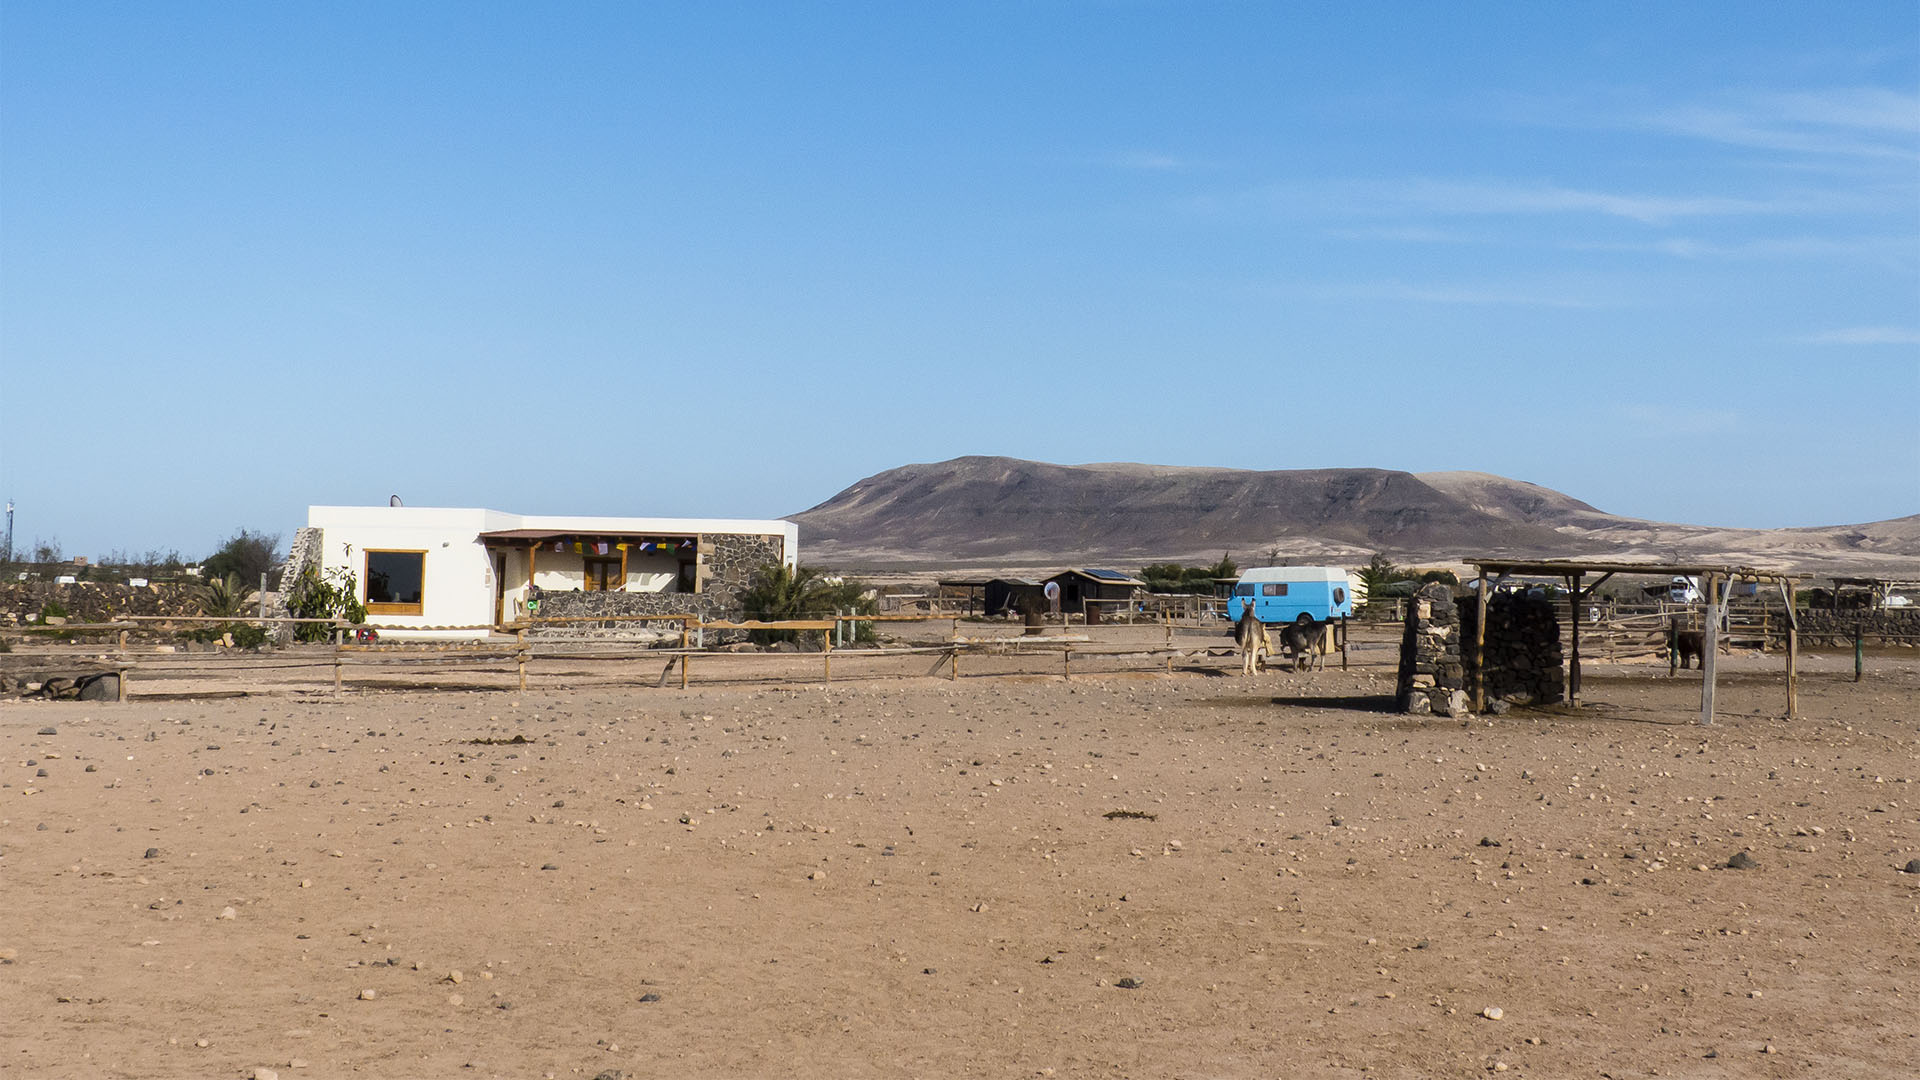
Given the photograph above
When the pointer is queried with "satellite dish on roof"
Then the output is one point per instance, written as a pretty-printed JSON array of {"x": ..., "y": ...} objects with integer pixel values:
[{"x": 394, "y": 500}]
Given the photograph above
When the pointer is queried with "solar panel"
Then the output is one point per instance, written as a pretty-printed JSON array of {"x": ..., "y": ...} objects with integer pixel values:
[{"x": 1106, "y": 575}]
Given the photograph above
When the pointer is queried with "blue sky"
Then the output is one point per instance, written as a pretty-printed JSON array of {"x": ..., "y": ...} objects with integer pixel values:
[{"x": 728, "y": 259}]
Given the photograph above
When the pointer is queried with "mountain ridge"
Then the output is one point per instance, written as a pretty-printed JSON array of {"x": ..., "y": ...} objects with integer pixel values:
[{"x": 1001, "y": 511}]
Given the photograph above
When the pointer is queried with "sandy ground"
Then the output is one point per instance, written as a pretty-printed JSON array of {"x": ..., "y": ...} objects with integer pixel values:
[{"x": 908, "y": 877}]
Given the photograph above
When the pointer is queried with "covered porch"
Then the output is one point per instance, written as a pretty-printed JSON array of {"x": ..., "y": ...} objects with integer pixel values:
[{"x": 527, "y": 563}]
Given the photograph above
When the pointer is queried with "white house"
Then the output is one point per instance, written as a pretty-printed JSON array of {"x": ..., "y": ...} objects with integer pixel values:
[{"x": 459, "y": 572}]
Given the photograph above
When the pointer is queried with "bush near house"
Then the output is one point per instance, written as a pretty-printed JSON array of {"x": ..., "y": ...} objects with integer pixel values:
[
  {"x": 246, "y": 555},
  {"x": 332, "y": 595},
  {"x": 779, "y": 591}
]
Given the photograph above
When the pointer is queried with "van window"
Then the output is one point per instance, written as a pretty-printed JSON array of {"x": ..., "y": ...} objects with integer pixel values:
[
  {"x": 1243, "y": 590},
  {"x": 1339, "y": 595},
  {"x": 1274, "y": 588}
]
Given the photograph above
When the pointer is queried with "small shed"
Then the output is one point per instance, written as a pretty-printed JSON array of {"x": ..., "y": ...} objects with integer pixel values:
[
  {"x": 1087, "y": 591},
  {"x": 1012, "y": 595}
]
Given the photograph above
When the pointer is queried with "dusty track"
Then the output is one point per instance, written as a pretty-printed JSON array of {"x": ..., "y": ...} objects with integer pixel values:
[{"x": 911, "y": 877}]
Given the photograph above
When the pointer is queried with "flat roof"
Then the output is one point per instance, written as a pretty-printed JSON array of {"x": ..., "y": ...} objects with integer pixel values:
[{"x": 1567, "y": 567}]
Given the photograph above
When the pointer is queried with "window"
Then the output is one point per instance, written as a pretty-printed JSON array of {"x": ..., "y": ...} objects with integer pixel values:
[
  {"x": 1274, "y": 588},
  {"x": 1243, "y": 590},
  {"x": 603, "y": 575},
  {"x": 1339, "y": 595},
  {"x": 396, "y": 582}
]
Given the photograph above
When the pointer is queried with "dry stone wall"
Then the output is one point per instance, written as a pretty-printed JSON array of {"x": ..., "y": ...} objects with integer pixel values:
[
  {"x": 1525, "y": 665},
  {"x": 1432, "y": 678},
  {"x": 94, "y": 601},
  {"x": 1895, "y": 626}
]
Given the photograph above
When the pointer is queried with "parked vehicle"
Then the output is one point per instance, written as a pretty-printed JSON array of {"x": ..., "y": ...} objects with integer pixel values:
[{"x": 1292, "y": 594}]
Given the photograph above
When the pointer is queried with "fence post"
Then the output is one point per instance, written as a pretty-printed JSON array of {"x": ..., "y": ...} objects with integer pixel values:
[
  {"x": 1859, "y": 652},
  {"x": 521, "y": 654},
  {"x": 686, "y": 657}
]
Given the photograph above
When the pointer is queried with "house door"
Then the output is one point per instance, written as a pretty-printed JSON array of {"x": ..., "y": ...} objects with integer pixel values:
[{"x": 499, "y": 589}]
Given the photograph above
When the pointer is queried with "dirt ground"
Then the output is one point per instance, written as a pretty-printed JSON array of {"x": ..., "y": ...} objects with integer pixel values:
[{"x": 1129, "y": 874}]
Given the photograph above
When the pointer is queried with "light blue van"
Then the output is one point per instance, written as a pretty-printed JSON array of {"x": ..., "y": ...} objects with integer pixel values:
[{"x": 1293, "y": 594}]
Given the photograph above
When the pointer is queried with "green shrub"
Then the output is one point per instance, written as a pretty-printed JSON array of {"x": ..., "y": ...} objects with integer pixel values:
[
  {"x": 334, "y": 594},
  {"x": 780, "y": 592}
]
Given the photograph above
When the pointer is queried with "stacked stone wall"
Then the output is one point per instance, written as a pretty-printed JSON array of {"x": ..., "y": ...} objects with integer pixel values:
[
  {"x": 1894, "y": 626},
  {"x": 1525, "y": 665},
  {"x": 1432, "y": 678},
  {"x": 94, "y": 601}
]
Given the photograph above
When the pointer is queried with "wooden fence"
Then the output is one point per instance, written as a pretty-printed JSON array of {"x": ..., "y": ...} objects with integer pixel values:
[{"x": 500, "y": 654}]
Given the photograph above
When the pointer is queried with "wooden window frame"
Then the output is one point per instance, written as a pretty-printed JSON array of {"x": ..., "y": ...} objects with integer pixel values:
[{"x": 366, "y": 582}]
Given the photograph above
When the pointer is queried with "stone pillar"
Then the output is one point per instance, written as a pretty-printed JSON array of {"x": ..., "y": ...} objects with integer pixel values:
[{"x": 1432, "y": 677}]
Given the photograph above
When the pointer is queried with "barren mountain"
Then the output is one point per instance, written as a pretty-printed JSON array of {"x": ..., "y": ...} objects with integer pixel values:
[{"x": 1005, "y": 512}]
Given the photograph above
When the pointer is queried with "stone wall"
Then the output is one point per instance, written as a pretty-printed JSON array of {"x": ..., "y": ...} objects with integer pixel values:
[
  {"x": 1524, "y": 663},
  {"x": 94, "y": 601},
  {"x": 304, "y": 551},
  {"x": 1432, "y": 678},
  {"x": 1826, "y": 627},
  {"x": 1431, "y": 675}
]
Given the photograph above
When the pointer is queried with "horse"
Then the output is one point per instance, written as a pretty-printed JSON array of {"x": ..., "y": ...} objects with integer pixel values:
[
  {"x": 1251, "y": 635},
  {"x": 1306, "y": 642}
]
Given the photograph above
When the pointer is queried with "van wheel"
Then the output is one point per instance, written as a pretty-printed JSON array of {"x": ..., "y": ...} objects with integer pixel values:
[{"x": 1305, "y": 621}]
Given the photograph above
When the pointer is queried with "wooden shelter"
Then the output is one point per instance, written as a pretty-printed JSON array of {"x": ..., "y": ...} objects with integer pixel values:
[
  {"x": 1877, "y": 589},
  {"x": 1716, "y": 584},
  {"x": 1003, "y": 595},
  {"x": 1087, "y": 591}
]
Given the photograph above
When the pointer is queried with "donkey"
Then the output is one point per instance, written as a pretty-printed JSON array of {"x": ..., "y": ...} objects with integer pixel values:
[
  {"x": 1251, "y": 635},
  {"x": 1306, "y": 642},
  {"x": 1690, "y": 645}
]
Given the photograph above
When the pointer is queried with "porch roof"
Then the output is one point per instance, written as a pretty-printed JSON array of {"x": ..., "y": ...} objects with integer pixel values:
[{"x": 536, "y": 536}]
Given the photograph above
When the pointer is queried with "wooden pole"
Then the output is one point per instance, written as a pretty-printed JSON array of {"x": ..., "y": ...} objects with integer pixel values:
[
  {"x": 1573, "y": 615},
  {"x": 1793, "y": 652},
  {"x": 685, "y": 657},
  {"x": 827, "y": 653},
  {"x": 1169, "y": 642},
  {"x": 522, "y": 636},
  {"x": 1066, "y": 661},
  {"x": 1859, "y": 653},
  {"x": 1711, "y": 647},
  {"x": 1343, "y": 643},
  {"x": 1480, "y": 648},
  {"x": 623, "y": 568},
  {"x": 336, "y": 669},
  {"x": 954, "y": 674}
]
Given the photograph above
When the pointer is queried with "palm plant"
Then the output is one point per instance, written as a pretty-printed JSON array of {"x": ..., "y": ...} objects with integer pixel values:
[
  {"x": 781, "y": 592},
  {"x": 225, "y": 597}
]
